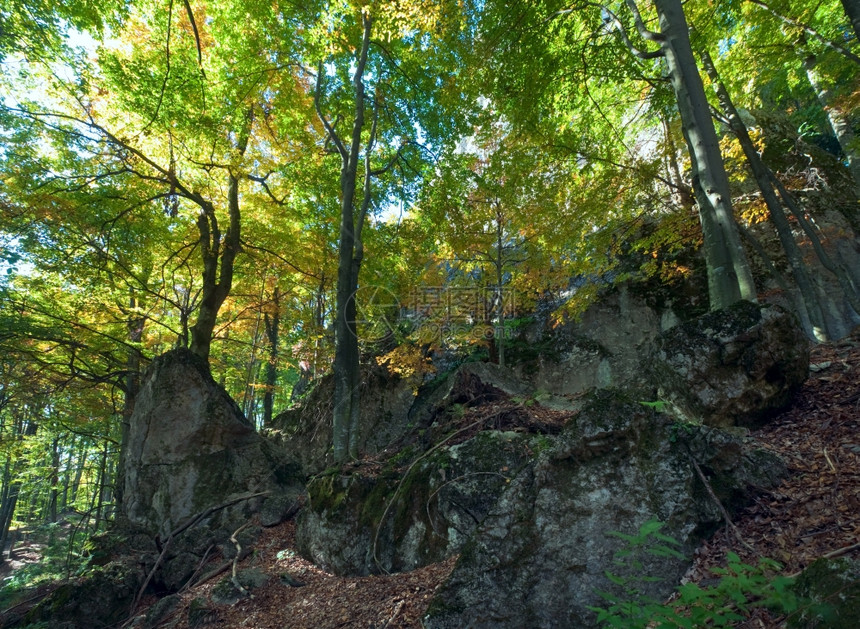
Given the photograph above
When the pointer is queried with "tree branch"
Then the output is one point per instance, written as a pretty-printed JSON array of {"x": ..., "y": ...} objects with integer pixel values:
[{"x": 808, "y": 30}]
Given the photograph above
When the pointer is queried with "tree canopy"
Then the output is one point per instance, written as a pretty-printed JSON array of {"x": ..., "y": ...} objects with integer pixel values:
[{"x": 231, "y": 176}]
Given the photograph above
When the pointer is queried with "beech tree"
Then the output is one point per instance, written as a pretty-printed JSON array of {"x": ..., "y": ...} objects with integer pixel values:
[{"x": 383, "y": 101}]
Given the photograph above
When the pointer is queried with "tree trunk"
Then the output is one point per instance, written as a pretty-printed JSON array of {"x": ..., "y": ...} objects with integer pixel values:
[
  {"x": 67, "y": 474},
  {"x": 852, "y": 10},
  {"x": 852, "y": 295},
  {"x": 79, "y": 473},
  {"x": 7, "y": 509},
  {"x": 837, "y": 116},
  {"x": 5, "y": 505},
  {"x": 100, "y": 488},
  {"x": 217, "y": 283},
  {"x": 350, "y": 252},
  {"x": 761, "y": 173},
  {"x": 53, "y": 482},
  {"x": 729, "y": 275},
  {"x": 272, "y": 331},
  {"x": 499, "y": 333}
]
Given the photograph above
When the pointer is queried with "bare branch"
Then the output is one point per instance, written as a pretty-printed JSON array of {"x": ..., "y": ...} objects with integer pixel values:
[{"x": 331, "y": 133}]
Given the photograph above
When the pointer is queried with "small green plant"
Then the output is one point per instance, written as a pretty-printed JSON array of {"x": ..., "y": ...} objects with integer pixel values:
[
  {"x": 679, "y": 429},
  {"x": 741, "y": 588},
  {"x": 659, "y": 406}
]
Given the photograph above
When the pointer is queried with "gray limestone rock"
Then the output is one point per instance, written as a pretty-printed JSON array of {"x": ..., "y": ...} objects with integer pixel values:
[
  {"x": 730, "y": 367},
  {"x": 190, "y": 449},
  {"x": 362, "y": 524},
  {"x": 383, "y": 418},
  {"x": 539, "y": 557}
]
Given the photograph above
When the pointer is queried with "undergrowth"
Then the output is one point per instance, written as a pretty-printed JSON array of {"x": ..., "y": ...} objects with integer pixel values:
[{"x": 741, "y": 588}]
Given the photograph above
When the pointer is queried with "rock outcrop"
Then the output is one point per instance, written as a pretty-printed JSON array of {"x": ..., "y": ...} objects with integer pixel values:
[
  {"x": 305, "y": 431},
  {"x": 529, "y": 512},
  {"x": 190, "y": 449},
  {"x": 539, "y": 557},
  {"x": 730, "y": 367},
  {"x": 365, "y": 523},
  {"x": 603, "y": 348}
]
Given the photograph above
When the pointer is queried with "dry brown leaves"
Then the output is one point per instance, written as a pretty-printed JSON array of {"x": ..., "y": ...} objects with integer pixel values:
[
  {"x": 816, "y": 510},
  {"x": 326, "y": 601}
]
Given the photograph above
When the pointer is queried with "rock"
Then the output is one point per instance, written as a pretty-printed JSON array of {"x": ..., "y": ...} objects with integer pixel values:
[
  {"x": 425, "y": 516},
  {"x": 831, "y": 592},
  {"x": 385, "y": 402},
  {"x": 105, "y": 594},
  {"x": 159, "y": 614},
  {"x": 477, "y": 383},
  {"x": 201, "y": 613},
  {"x": 226, "y": 593},
  {"x": 736, "y": 366},
  {"x": 540, "y": 555},
  {"x": 603, "y": 348},
  {"x": 191, "y": 450}
]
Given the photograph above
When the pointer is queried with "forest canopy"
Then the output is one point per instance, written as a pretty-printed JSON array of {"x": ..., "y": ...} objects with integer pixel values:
[{"x": 288, "y": 188}]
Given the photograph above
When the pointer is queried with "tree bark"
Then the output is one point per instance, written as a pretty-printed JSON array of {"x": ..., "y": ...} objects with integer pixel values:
[
  {"x": 852, "y": 10},
  {"x": 837, "y": 116},
  {"x": 761, "y": 173},
  {"x": 24, "y": 429},
  {"x": 350, "y": 253},
  {"x": 729, "y": 275},
  {"x": 272, "y": 324},
  {"x": 217, "y": 283},
  {"x": 852, "y": 295}
]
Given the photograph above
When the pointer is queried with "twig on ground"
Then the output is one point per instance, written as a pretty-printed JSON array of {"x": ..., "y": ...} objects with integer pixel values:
[
  {"x": 235, "y": 541},
  {"x": 729, "y": 524}
]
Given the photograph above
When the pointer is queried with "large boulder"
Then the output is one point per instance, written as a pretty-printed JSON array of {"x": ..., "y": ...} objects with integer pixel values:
[
  {"x": 306, "y": 429},
  {"x": 736, "y": 366},
  {"x": 601, "y": 348},
  {"x": 541, "y": 554},
  {"x": 191, "y": 456},
  {"x": 396, "y": 520}
]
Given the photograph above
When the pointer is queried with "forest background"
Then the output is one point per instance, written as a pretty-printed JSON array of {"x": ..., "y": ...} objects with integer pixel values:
[{"x": 291, "y": 188}]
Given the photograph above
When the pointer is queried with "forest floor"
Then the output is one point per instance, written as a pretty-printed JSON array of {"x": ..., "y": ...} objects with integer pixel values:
[{"x": 813, "y": 513}]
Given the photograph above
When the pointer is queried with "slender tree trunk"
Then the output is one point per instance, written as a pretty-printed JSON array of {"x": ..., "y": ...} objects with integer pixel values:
[
  {"x": 100, "y": 488},
  {"x": 852, "y": 10},
  {"x": 272, "y": 324},
  {"x": 761, "y": 173},
  {"x": 6, "y": 506},
  {"x": 350, "y": 252},
  {"x": 67, "y": 474},
  {"x": 729, "y": 275},
  {"x": 838, "y": 117},
  {"x": 499, "y": 335},
  {"x": 79, "y": 473},
  {"x": 53, "y": 482},
  {"x": 217, "y": 282},
  {"x": 23, "y": 430},
  {"x": 852, "y": 295}
]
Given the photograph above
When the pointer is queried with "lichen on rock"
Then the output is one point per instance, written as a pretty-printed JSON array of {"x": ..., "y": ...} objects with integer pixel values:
[{"x": 736, "y": 366}]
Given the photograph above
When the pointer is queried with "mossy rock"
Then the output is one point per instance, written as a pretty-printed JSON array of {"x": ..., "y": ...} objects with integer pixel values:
[
  {"x": 399, "y": 520},
  {"x": 831, "y": 588},
  {"x": 102, "y": 598}
]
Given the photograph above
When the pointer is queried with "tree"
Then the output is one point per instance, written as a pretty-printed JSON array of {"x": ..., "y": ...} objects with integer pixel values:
[
  {"x": 380, "y": 140},
  {"x": 729, "y": 275},
  {"x": 186, "y": 136},
  {"x": 810, "y": 309}
]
